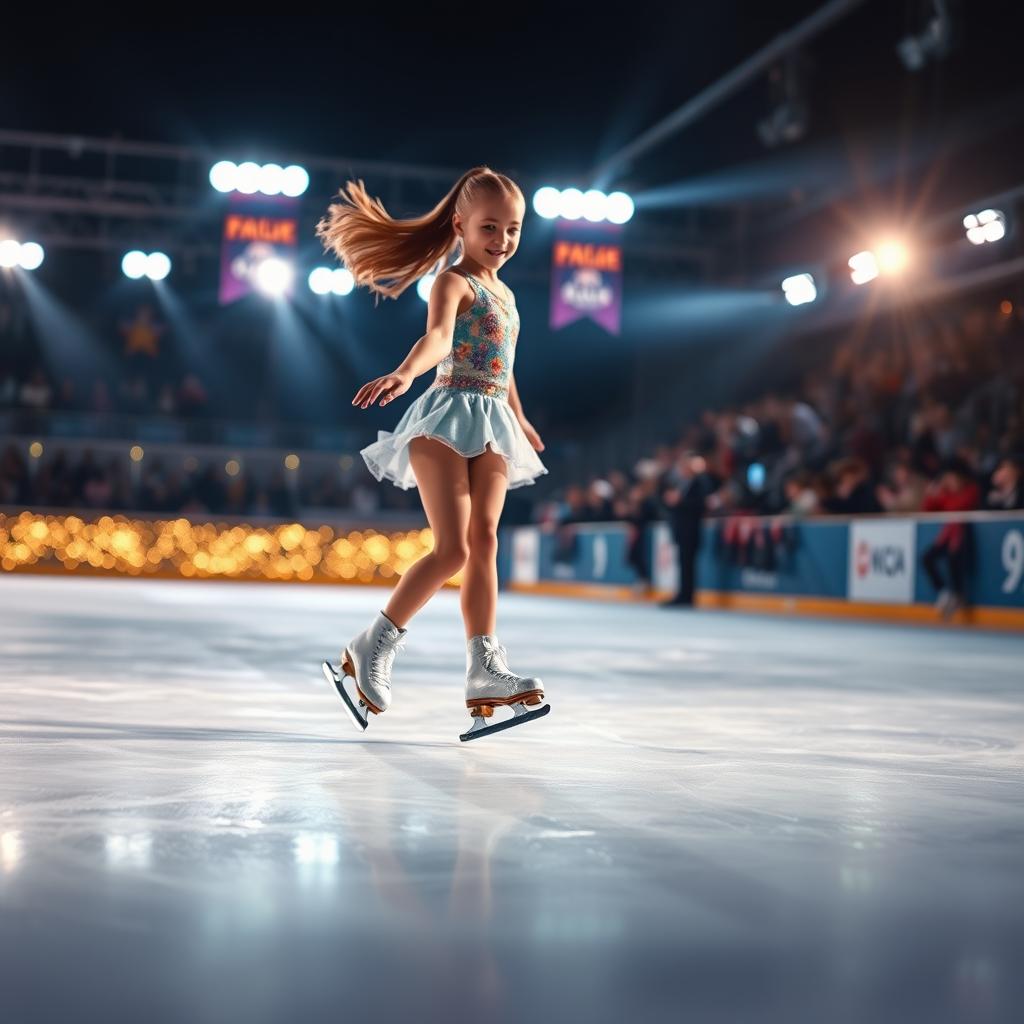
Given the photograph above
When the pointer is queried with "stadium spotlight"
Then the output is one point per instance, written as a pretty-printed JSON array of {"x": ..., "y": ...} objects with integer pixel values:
[
  {"x": 271, "y": 179},
  {"x": 325, "y": 280},
  {"x": 892, "y": 257},
  {"x": 570, "y": 204},
  {"x": 247, "y": 180},
  {"x": 595, "y": 205},
  {"x": 27, "y": 255},
  {"x": 546, "y": 201},
  {"x": 223, "y": 176},
  {"x": 863, "y": 267},
  {"x": 134, "y": 264},
  {"x": 320, "y": 280},
  {"x": 295, "y": 180},
  {"x": 32, "y": 255},
  {"x": 137, "y": 264},
  {"x": 10, "y": 253},
  {"x": 250, "y": 178},
  {"x": 273, "y": 276},
  {"x": 799, "y": 289},
  {"x": 158, "y": 266},
  {"x": 620, "y": 208},
  {"x": 986, "y": 226},
  {"x": 342, "y": 281}
]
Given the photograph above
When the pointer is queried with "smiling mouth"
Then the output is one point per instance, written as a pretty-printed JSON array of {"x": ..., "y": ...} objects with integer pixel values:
[{"x": 499, "y": 252}]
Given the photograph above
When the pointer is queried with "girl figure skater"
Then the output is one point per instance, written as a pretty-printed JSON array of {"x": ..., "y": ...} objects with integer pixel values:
[{"x": 464, "y": 442}]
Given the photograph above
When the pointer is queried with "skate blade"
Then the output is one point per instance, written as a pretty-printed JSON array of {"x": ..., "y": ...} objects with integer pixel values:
[
  {"x": 477, "y": 730},
  {"x": 353, "y": 712}
]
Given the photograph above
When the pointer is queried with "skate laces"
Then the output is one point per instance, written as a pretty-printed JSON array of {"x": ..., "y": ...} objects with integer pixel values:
[
  {"x": 496, "y": 652},
  {"x": 392, "y": 643}
]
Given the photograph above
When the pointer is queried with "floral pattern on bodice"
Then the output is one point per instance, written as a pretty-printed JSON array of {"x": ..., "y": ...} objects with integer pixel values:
[{"x": 483, "y": 345}]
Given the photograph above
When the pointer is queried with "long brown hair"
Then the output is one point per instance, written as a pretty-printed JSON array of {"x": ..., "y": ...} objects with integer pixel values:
[{"x": 375, "y": 247}]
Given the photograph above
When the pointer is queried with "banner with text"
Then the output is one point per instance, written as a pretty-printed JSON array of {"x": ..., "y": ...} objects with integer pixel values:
[
  {"x": 256, "y": 228},
  {"x": 586, "y": 274}
]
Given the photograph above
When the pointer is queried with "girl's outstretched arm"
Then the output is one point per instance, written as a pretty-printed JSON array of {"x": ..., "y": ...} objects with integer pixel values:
[{"x": 428, "y": 351}]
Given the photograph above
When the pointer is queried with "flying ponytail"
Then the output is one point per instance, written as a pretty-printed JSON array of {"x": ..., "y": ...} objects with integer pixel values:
[{"x": 377, "y": 248}]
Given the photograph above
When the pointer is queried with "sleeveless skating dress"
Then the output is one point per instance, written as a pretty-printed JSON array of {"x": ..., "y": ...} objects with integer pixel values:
[{"x": 466, "y": 405}]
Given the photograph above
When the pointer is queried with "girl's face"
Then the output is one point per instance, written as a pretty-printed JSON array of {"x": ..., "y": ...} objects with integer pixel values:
[{"x": 491, "y": 234}]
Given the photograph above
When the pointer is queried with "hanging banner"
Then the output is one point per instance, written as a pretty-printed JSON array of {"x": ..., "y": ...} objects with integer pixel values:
[
  {"x": 256, "y": 228},
  {"x": 586, "y": 274}
]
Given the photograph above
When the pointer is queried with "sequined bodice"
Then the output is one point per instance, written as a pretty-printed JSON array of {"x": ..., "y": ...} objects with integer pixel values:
[{"x": 483, "y": 345}]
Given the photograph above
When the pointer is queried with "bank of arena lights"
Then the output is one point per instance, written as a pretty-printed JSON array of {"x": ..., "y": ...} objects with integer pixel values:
[
  {"x": 592, "y": 205},
  {"x": 331, "y": 281},
  {"x": 154, "y": 265},
  {"x": 986, "y": 226},
  {"x": 27, "y": 255},
  {"x": 799, "y": 289},
  {"x": 250, "y": 178},
  {"x": 890, "y": 258}
]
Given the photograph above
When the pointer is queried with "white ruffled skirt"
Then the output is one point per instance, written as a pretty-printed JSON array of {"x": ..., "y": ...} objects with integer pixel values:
[{"x": 464, "y": 420}]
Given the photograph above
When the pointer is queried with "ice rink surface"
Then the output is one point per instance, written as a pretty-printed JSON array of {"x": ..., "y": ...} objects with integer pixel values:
[{"x": 725, "y": 817}]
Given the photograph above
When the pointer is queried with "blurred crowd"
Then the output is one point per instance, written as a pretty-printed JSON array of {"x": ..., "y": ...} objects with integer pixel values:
[
  {"x": 89, "y": 480},
  {"x": 877, "y": 428},
  {"x": 931, "y": 420},
  {"x": 132, "y": 395}
]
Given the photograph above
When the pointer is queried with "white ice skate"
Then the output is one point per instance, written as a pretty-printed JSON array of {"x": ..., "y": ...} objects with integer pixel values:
[
  {"x": 368, "y": 659},
  {"x": 490, "y": 684}
]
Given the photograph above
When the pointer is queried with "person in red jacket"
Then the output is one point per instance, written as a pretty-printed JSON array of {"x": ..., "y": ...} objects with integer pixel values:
[{"x": 955, "y": 491}]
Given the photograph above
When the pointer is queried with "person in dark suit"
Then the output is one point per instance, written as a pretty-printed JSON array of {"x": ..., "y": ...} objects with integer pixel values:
[{"x": 684, "y": 502}]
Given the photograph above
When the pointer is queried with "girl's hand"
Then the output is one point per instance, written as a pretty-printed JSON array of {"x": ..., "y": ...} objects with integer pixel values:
[
  {"x": 389, "y": 386},
  {"x": 531, "y": 435}
]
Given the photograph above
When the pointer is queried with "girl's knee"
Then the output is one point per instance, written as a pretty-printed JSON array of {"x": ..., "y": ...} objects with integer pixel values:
[
  {"x": 483, "y": 540},
  {"x": 452, "y": 558}
]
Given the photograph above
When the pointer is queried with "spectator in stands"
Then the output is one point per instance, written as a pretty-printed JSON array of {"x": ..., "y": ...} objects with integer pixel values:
[
  {"x": 801, "y": 496},
  {"x": 599, "y": 501},
  {"x": 573, "y": 509},
  {"x": 904, "y": 489},
  {"x": 954, "y": 491},
  {"x": 852, "y": 494},
  {"x": 1007, "y": 490}
]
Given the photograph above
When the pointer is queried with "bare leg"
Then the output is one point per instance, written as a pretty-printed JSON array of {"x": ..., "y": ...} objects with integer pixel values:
[
  {"x": 488, "y": 484},
  {"x": 443, "y": 481}
]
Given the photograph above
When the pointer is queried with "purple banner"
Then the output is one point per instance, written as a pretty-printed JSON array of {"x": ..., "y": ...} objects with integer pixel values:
[
  {"x": 256, "y": 228},
  {"x": 586, "y": 274}
]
